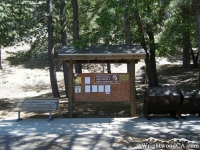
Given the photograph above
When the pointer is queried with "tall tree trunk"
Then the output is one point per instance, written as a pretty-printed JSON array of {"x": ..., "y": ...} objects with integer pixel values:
[
  {"x": 108, "y": 68},
  {"x": 63, "y": 23},
  {"x": 52, "y": 66},
  {"x": 64, "y": 42},
  {"x": 150, "y": 55},
  {"x": 107, "y": 41},
  {"x": 78, "y": 67},
  {"x": 196, "y": 9},
  {"x": 194, "y": 58},
  {"x": 0, "y": 59},
  {"x": 127, "y": 28},
  {"x": 185, "y": 14},
  {"x": 154, "y": 75},
  {"x": 186, "y": 51}
]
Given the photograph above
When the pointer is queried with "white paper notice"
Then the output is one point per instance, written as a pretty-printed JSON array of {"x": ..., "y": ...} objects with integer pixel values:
[
  {"x": 87, "y": 88},
  {"x": 101, "y": 88},
  {"x": 107, "y": 89},
  {"x": 94, "y": 88},
  {"x": 77, "y": 89},
  {"x": 87, "y": 80}
]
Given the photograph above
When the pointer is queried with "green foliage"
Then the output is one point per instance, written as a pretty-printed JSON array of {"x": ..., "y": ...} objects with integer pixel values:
[
  {"x": 180, "y": 20},
  {"x": 101, "y": 22},
  {"x": 15, "y": 21},
  {"x": 21, "y": 55},
  {"x": 23, "y": 21}
]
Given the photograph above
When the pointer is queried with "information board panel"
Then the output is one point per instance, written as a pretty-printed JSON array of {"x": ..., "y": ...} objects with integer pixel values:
[
  {"x": 102, "y": 87},
  {"x": 106, "y": 79}
]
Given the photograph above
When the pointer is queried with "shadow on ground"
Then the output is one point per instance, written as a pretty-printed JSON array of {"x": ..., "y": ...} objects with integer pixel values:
[
  {"x": 172, "y": 74},
  {"x": 113, "y": 133},
  {"x": 23, "y": 58},
  {"x": 82, "y": 109}
]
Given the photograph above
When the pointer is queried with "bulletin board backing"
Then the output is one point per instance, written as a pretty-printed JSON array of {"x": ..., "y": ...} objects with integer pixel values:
[{"x": 102, "y": 87}]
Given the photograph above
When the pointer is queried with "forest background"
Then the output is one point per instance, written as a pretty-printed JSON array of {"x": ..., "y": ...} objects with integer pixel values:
[{"x": 163, "y": 27}]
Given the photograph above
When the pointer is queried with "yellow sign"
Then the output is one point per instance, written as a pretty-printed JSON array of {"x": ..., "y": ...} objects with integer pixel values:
[
  {"x": 77, "y": 81},
  {"x": 124, "y": 77}
]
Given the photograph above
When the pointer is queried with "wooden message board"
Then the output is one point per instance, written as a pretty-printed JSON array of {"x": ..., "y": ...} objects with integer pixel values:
[{"x": 102, "y": 87}]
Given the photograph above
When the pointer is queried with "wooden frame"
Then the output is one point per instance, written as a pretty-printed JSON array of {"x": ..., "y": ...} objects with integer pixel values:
[{"x": 102, "y": 54}]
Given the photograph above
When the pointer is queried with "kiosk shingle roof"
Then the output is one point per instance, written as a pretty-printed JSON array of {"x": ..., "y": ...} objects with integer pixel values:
[{"x": 109, "y": 53}]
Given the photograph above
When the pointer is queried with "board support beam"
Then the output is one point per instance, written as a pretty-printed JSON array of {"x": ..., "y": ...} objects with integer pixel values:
[
  {"x": 70, "y": 89},
  {"x": 132, "y": 88}
]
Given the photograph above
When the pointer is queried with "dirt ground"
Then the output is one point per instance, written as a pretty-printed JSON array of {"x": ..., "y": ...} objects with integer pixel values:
[{"x": 29, "y": 79}]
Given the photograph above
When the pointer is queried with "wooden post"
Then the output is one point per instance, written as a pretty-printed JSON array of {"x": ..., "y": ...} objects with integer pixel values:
[
  {"x": 70, "y": 89},
  {"x": 132, "y": 87}
]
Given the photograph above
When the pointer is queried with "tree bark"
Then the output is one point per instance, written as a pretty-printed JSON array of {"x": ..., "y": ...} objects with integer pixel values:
[
  {"x": 150, "y": 55},
  {"x": 78, "y": 67},
  {"x": 198, "y": 38},
  {"x": 186, "y": 51},
  {"x": 52, "y": 66},
  {"x": 108, "y": 68},
  {"x": 153, "y": 75},
  {"x": 64, "y": 39},
  {"x": 0, "y": 59},
  {"x": 196, "y": 9},
  {"x": 107, "y": 41},
  {"x": 194, "y": 58},
  {"x": 185, "y": 14},
  {"x": 64, "y": 43},
  {"x": 127, "y": 29}
]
